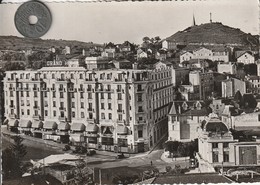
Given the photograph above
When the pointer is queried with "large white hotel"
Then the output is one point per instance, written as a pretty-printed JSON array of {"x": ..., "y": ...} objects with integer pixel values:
[{"x": 122, "y": 110}]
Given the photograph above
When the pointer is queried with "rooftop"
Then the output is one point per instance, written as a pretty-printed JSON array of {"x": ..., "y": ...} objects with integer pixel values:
[{"x": 191, "y": 178}]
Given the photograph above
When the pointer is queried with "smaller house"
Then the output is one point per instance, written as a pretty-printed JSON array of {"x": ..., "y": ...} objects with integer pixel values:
[
  {"x": 246, "y": 58},
  {"x": 231, "y": 85},
  {"x": 186, "y": 56},
  {"x": 141, "y": 54},
  {"x": 229, "y": 68}
]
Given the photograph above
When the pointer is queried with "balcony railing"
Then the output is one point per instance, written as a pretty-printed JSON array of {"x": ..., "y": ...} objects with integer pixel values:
[
  {"x": 90, "y": 109},
  {"x": 12, "y": 106},
  {"x": 81, "y": 89},
  {"x": 36, "y": 107},
  {"x": 12, "y": 115},
  {"x": 89, "y": 89},
  {"x": 119, "y": 110}
]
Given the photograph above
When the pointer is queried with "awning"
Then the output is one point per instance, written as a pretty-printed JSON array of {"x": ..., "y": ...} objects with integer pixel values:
[
  {"x": 5, "y": 121},
  {"x": 50, "y": 125},
  {"x": 92, "y": 127},
  {"x": 78, "y": 127},
  {"x": 25, "y": 123},
  {"x": 37, "y": 124},
  {"x": 64, "y": 126},
  {"x": 121, "y": 129},
  {"x": 13, "y": 123}
]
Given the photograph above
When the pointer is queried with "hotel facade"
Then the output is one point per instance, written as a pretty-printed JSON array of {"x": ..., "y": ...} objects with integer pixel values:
[{"x": 109, "y": 109}]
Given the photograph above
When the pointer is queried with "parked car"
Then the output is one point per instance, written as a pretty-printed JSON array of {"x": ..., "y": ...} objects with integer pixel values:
[
  {"x": 91, "y": 152},
  {"x": 66, "y": 148},
  {"x": 120, "y": 156},
  {"x": 80, "y": 150}
]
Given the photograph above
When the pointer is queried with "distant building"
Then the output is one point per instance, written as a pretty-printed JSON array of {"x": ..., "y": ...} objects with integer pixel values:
[
  {"x": 231, "y": 85},
  {"x": 246, "y": 58},
  {"x": 190, "y": 92},
  {"x": 229, "y": 68},
  {"x": 108, "y": 109},
  {"x": 184, "y": 119},
  {"x": 219, "y": 149},
  {"x": 186, "y": 56},
  {"x": 217, "y": 106},
  {"x": 96, "y": 63},
  {"x": 141, "y": 54},
  {"x": 179, "y": 75},
  {"x": 253, "y": 84}
]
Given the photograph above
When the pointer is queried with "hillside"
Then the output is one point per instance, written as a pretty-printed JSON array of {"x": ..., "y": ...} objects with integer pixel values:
[
  {"x": 18, "y": 43},
  {"x": 214, "y": 33}
]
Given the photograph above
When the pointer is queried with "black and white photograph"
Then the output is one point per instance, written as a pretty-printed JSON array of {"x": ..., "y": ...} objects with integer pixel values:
[{"x": 129, "y": 92}]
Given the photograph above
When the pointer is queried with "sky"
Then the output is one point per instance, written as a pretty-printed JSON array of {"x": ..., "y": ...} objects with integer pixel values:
[{"x": 121, "y": 21}]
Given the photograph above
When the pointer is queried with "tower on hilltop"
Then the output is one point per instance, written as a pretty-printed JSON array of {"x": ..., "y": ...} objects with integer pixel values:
[{"x": 193, "y": 21}]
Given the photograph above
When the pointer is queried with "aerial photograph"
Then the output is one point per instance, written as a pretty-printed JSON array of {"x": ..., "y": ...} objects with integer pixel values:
[{"x": 132, "y": 92}]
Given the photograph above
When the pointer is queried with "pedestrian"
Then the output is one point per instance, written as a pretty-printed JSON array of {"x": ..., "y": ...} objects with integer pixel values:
[{"x": 151, "y": 163}]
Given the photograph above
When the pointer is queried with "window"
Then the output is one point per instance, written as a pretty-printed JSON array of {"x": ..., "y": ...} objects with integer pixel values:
[
  {"x": 53, "y": 94},
  {"x": 80, "y": 76},
  {"x": 258, "y": 117},
  {"x": 109, "y": 106},
  {"x": 90, "y": 115},
  {"x": 27, "y": 94},
  {"x": 28, "y": 112},
  {"x": 215, "y": 157},
  {"x": 27, "y": 102},
  {"x": 45, "y": 94},
  {"x": 46, "y": 113},
  {"x": 72, "y": 76},
  {"x": 35, "y": 93},
  {"x": 108, "y": 87},
  {"x": 81, "y": 95},
  {"x": 73, "y": 114},
  {"x": 61, "y": 95},
  {"x": 140, "y": 133},
  {"x": 226, "y": 156},
  {"x": 120, "y": 117},
  {"x": 89, "y": 95},
  {"x": 54, "y": 113},
  {"x": 120, "y": 107},
  {"x": 102, "y": 115},
  {"x": 22, "y": 111},
  {"x": 44, "y": 76},
  {"x": 119, "y": 87},
  {"x": 140, "y": 109},
  {"x": 36, "y": 112},
  {"x": 102, "y": 95},
  {"x": 21, "y": 93},
  {"x": 140, "y": 118},
  {"x": 139, "y": 97},
  {"x": 109, "y": 116},
  {"x": 45, "y": 103},
  {"x": 22, "y": 102},
  {"x": 82, "y": 115},
  {"x": 11, "y": 94},
  {"x": 109, "y": 96},
  {"x": 73, "y": 104},
  {"x": 81, "y": 104},
  {"x": 90, "y": 106},
  {"x": 72, "y": 95},
  {"x": 53, "y": 76},
  {"x": 62, "y": 105},
  {"x": 214, "y": 145},
  {"x": 225, "y": 145},
  {"x": 54, "y": 103},
  {"x": 119, "y": 96},
  {"x": 102, "y": 106}
]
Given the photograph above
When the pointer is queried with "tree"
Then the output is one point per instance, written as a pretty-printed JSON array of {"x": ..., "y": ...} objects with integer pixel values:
[
  {"x": 13, "y": 66},
  {"x": 250, "y": 69},
  {"x": 12, "y": 158},
  {"x": 172, "y": 146}
]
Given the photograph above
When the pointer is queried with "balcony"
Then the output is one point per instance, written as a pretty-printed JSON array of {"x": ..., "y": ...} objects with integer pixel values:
[
  {"x": 90, "y": 109},
  {"x": 119, "y": 90},
  {"x": 141, "y": 122},
  {"x": 35, "y": 88},
  {"x": 11, "y": 88},
  {"x": 12, "y": 106},
  {"x": 53, "y": 89},
  {"x": 81, "y": 89},
  {"x": 140, "y": 90},
  {"x": 71, "y": 89},
  {"x": 45, "y": 89},
  {"x": 36, "y": 79},
  {"x": 62, "y": 108},
  {"x": 36, "y": 107},
  {"x": 27, "y": 89},
  {"x": 118, "y": 79},
  {"x": 61, "y": 89},
  {"x": 89, "y": 79},
  {"x": 140, "y": 110},
  {"x": 89, "y": 89},
  {"x": 63, "y": 80},
  {"x": 120, "y": 111}
]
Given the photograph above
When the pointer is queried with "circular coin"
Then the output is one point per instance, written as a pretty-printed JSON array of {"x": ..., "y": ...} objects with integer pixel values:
[{"x": 33, "y": 19}]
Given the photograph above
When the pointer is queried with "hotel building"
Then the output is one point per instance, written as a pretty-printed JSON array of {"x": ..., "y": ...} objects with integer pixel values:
[{"x": 108, "y": 109}]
